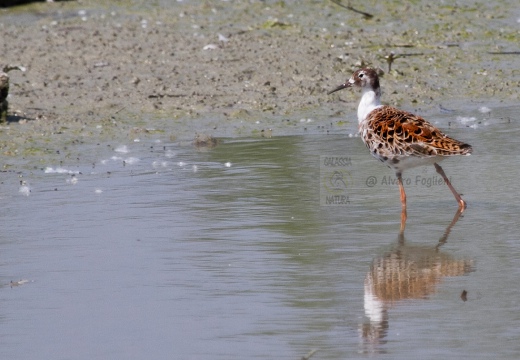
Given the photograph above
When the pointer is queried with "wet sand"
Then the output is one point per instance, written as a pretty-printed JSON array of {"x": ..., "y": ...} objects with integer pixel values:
[{"x": 97, "y": 71}]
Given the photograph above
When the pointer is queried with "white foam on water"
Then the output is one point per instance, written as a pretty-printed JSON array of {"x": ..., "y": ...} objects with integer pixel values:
[
  {"x": 127, "y": 161},
  {"x": 466, "y": 120},
  {"x": 123, "y": 149},
  {"x": 72, "y": 180},
  {"x": 157, "y": 164},
  {"x": 25, "y": 190},
  {"x": 59, "y": 170},
  {"x": 131, "y": 160}
]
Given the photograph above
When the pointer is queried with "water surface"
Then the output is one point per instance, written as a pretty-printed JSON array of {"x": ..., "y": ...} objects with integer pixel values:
[{"x": 161, "y": 250}]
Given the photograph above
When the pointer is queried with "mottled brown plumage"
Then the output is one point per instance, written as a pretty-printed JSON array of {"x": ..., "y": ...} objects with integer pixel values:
[
  {"x": 398, "y": 138},
  {"x": 393, "y": 136}
]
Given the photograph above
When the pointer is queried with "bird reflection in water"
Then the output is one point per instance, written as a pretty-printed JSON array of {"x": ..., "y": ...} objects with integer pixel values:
[{"x": 406, "y": 272}]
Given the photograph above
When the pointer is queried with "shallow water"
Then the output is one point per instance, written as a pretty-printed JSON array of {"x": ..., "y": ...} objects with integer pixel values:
[{"x": 159, "y": 250}]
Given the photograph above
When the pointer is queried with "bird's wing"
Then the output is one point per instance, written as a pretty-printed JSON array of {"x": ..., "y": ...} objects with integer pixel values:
[{"x": 409, "y": 134}]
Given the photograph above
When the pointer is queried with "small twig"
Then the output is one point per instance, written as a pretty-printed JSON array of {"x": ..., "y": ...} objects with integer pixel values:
[
  {"x": 118, "y": 111},
  {"x": 348, "y": 7},
  {"x": 392, "y": 56},
  {"x": 160, "y": 96},
  {"x": 411, "y": 54},
  {"x": 504, "y": 52},
  {"x": 400, "y": 45},
  {"x": 309, "y": 355}
]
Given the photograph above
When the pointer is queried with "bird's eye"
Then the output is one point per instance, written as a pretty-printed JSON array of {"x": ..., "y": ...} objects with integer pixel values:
[{"x": 361, "y": 75}]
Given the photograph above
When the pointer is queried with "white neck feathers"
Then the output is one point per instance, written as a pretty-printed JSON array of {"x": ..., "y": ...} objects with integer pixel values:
[{"x": 370, "y": 100}]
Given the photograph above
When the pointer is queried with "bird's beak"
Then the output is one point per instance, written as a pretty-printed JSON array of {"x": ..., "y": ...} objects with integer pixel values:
[{"x": 341, "y": 87}]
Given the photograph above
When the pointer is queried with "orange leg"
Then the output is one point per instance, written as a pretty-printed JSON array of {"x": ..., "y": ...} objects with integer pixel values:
[
  {"x": 403, "y": 202},
  {"x": 401, "y": 190},
  {"x": 462, "y": 203}
]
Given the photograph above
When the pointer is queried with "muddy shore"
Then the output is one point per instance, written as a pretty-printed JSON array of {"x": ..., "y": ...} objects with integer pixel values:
[{"x": 97, "y": 71}]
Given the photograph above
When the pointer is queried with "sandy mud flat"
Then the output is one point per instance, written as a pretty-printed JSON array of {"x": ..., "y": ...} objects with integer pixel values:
[{"x": 96, "y": 71}]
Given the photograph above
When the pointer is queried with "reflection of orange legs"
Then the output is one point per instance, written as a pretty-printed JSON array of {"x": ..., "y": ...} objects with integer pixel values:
[
  {"x": 403, "y": 221},
  {"x": 462, "y": 203},
  {"x": 444, "y": 237}
]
